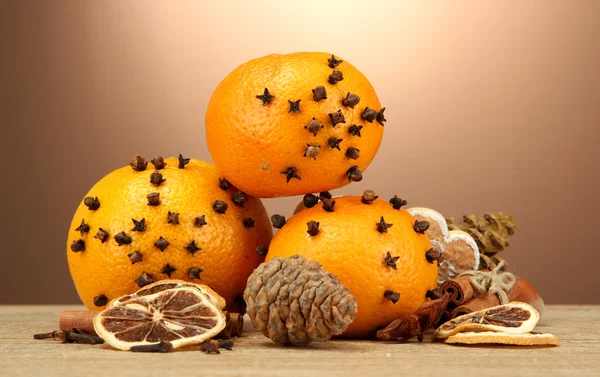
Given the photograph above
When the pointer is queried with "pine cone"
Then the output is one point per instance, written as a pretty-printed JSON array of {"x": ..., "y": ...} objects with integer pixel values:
[
  {"x": 491, "y": 232},
  {"x": 293, "y": 300}
]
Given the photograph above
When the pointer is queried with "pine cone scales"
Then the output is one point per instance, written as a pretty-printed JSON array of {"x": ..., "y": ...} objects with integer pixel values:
[{"x": 293, "y": 300}]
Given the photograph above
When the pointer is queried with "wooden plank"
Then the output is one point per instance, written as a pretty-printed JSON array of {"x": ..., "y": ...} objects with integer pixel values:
[{"x": 578, "y": 328}]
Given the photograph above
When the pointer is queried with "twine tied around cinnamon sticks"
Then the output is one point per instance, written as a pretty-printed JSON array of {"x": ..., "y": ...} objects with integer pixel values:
[{"x": 495, "y": 282}]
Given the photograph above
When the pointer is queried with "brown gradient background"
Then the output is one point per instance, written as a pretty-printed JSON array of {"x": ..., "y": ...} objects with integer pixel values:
[{"x": 492, "y": 106}]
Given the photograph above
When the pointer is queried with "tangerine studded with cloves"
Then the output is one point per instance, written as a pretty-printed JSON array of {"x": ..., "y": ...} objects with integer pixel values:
[
  {"x": 275, "y": 125},
  {"x": 172, "y": 218},
  {"x": 371, "y": 247}
]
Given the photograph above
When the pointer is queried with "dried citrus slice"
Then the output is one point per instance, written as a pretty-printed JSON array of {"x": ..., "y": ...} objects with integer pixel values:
[
  {"x": 490, "y": 337},
  {"x": 167, "y": 311},
  {"x": 512, "y": 318}
]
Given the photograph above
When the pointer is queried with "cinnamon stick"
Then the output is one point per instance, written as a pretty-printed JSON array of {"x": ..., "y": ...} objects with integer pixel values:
[{"x": 459, "y": 290}]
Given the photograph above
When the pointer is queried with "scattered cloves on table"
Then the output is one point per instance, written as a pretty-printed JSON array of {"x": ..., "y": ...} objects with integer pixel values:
[
  {"x": 248, "y": 222},
  {"x": 335, "y": 77},
  {"x": 223, "y": 183},
  {"x": 155, "y": 347},
  {"x": 144, "y": 280},
  {"x": 92, "y": 203},
  {"x": 368, "y": 114},
  {"x": 313, "y": 127},
  {"x": 135, "y": 257},
  {"x": 139, "y": 226},
  {"x": 73, "y": 336},
  {"x": 328, "y": 204},
  {"x": 122, "y": 239},
  {"x": 102, "y": 235},
  {"x": 354, "y": 174},
  {"x": 192, "y": 247},
  {"x": 266, "y": 97},
  {"x": 183, "y": 162},
  {"x": 210, "y": 346},
  {"x": 337, "y": 117},
  {"x": 380, "y": 117},
  {"x": 83, "y": 228},
  {"x": 161, "y": 244},
  {"x": 333, "y": 62},
  {"x": 78, "y": 246},
  {"x": 351, "y": 100},
  {"x": 239, "y": 198},
  {"x": 368, "y": 197},
  {"x": 220, "y": 206},
  {"x": 194, "y": 273},
  {"x": 168, "y": 270},
  {"x": 382, "y": 226},
  {"x": 432, "y": 255},
  {"x": 262, "y": 250},
  {"x": 226, "y": 344},
  {"x": 295, "y": 106},
  {"x": 100, "y": 300},
  {"x": 390, "y": 261},
  {"x": 153, "y": 199},
  {"x": 312, "y": 151},
  {"x": 397, "y": 203},
  {"x": 278, "y": 221},
  {"x": 158, "y": 162},
  {"x": 172, "y": 218},
  {"x": 138, "y": 163},
  {"x": 313, "y": 227},
  {"x": 334, "y": 143},
  {"x": 421, "y": 226},
  {"x": 353, "y": 153},
  {"x": 290, "y": 173},
  {"x": 200, "y": 221},
  {"x": 319, "y": 93},
  {"x": 394, "y": 297},
  {"x": 310, "y": 200},
  {"x": 156, "y": 178}
]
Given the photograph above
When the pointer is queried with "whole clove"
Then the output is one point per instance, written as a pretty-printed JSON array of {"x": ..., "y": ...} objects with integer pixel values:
[
  {"x": 102, "y": 235},
  {"x": 432, "y": 255},
  {"x": 172, "y": 218},
  {"x": 354, "y": 174},
  {"x": 155, "y": 347},
  {"x": 100, "y": 300},
  {"x": 295, "y": 106},
  {"x": 325, "y": 195},
  {"x": 334, "y": 143},
  {"x": 368, "y": 114},
  {"x": 200, "y": 221},
  {"x": 351, "y": 100},
  {"x": 78, "y": 246},
  {"x": 290, "y": 173},
  {"x": 333, "y": 62},
  {"x": 161, "y": 244},
  {"x": 192, "y": 247},
  {"x": 224, "y": 184},
  {"x": 380, "y": 118},
  {"x": 354, "y": 130},
  {"x": 138, "y": 163},
  {"x": 122, "y": 239},
  {"x": 153, "y": 199},
  {"x": 135, "y": 257},
  {"x": 390, "y": 261},
  {"x": 158, "y": 162},
  {"x": 194, "y": 273},
  {"x": 313, "y": 227},
  {"x": 368, "y": 197},
  {"x": 266, "y": 97},
  {"x": 394, "y": 297},
  {"x": 337, "y": 118},
  {"x": 353, "y": 153},
  {"x": 183, "y": 162},
  {"x": 335, "y": 77},
  {"x": 83, "y": 228},
  {"x": 262, "y": 250},
  {"x": 382, "y": 226},
  {"x": 168, "y": 270},
  {"x": 239, "y": 198},
  {"x": 397, "y": 203},
  {"x": 328, "y": 204},
  {"x": 319, "y": 93},
  {"x": 226, "y": 344},
  {"x": 92, "y": 203},
  {"x": 310, "y": 200},
  {"x": 312, "y": 151},
  {"x": 144, "y": 280},
  {"x": 220, "y": 206},
  {"x": 156, "y": 178},
  {"x": 313, "y": 127},
  {"x": 210, "y": 346},
  {"x": 248, "y": 222},
  {"x": 421, "y": 226},
  {"x": 139, "y": 226},
  {"x": 74, "y": 336},
  {"x": 278, "y": 221}
]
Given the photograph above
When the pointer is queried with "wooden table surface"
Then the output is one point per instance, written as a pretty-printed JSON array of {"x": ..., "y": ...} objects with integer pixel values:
[{"x": 577, "y": 327}]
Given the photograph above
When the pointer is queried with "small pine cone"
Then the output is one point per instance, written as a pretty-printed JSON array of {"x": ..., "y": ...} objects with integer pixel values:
[{"x": 294, "y": 300}]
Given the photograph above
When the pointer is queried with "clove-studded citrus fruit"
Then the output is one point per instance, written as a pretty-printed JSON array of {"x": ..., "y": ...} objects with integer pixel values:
[
  {"x": 284, "y": 125},
  {"x": 174, "y": 218},
  {"x": 381, "y": 254},
  {"x": 171, "y": 311}
]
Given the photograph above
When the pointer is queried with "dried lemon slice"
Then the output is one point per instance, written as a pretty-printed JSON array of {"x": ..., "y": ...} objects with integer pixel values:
[
  {"x": 490, "y": 337},
  {"x": 512, "y": 318},
  {"x": 167, "y": 311}
]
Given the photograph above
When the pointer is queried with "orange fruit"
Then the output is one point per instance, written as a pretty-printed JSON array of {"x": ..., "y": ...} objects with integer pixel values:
[
  {"x": 271, "y": 132},
  {"x": 388, "y": 268},
  {"x": 137, "y": 227}
]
